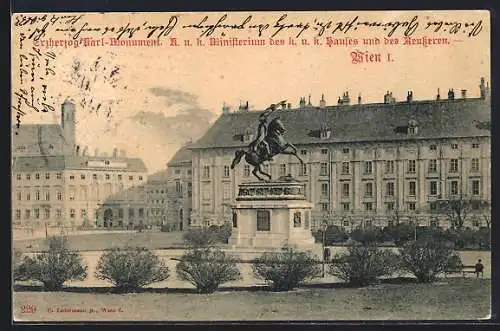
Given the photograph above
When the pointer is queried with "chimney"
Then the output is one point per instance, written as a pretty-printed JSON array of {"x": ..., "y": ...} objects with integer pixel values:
[
  {"x": 409, "y": 97},
  {"x": 359, "y": 99},
  {"x": 387, "y": 97},
  {"x": 438, "y": 96},
  {"x": 302, "y": 102},
  {"x": 225, "y": 108},
  {"x": 483, "y": 89},
  {"x": 464, "y": 94},
  {"x": 322, "y": 102},
  {"x": 451, "y": 94},
  {"x": 115, "y": 152},
  {"x": 96, "y": 152},
  {"x": 309, "y": 103},
  {"x": 85, "y": 151},
  {"x": 339, "y": 101},
  {"x": 345, "y": 98},
  {"x": 77, "y": 150},
  {"x": 289, "y": 105}
]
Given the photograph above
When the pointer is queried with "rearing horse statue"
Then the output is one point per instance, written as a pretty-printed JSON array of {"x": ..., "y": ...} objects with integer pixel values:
[{"x": 273, "y": 144}]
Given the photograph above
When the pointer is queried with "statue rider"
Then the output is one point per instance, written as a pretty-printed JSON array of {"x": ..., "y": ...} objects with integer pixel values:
[{"x": 262, "y": 131}]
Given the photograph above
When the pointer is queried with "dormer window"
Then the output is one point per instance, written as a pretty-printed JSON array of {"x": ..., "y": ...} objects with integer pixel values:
[
  {"x": 412, "y": 127},
  {"x": 325, "y": 132}
]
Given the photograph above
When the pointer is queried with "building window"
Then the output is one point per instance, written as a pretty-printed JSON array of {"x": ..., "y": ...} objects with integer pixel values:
[
  {"x": 226, "y": 171},
  {"x": 412, "y": 186},
  {"x": 207, "y": 192},
  {"x": 303, "y": 152},
  {"x": 454, "y": 187},
  {"x": 94, "y": 176},
  {"x": 119, "y": 177},
  {"x": 71, "y": 177},
  {"x": 434, "y": 222},
  {"x": 37, "y": 176},
  {"x": 18, "y": 214},
  {"x": 389, "y": 167},
  {"x": 475, "y": 187},
  {"x": 47, "y": 196},
  {"x": 324, "y": 206},
  {"x": 19, "y": 196},
  {"x": 28, "y": 176},
  {"x": 345, "y": 222},
  {"x": 323, "y": 169},
  {"x": 432, "y": 147},
  {"x": 303, "y": 170},
  {"x": 346, "y": 168},
  {"x": 324, "y": 151},
  {"x": 324, "y": 190},
  {"x": 345, "y": 189},
  {"x": 108, "y": 177},
  {"x": 454, "y": 146},
  {"x": 189, "y": 172},
  {"x": 47, "y": 176},
  {"x": 58, "y": 213},
  {"x": 297, "y": 219},
  {"x": 46, "y": 213},
  {"x": 235, "y": 220},
  {"x": 345, "y": 150},
  {"x": 83, "y": 213},
  {"x": 206, "y": 172},
  {"x": 59, "y": 196},
  {"x": 454, "y": 165},
  {"x": 27, "y": 213},
  {"x": 411, "y": 206},
  {"x": 18, "y": 176},
  {"x": 368, "y": 190},
  {"x": 389, "y": 206},
  {"x": 345, "y": 207},
  {"x": 390, "y": 189},
  {"x": 59, "y": 175},
  {"x": 412, "y": 166},
  {"x": 178, "y": 186},
  {"x": 246, "y": 170},
  {"x": 475, "y": 145},
  {"x": 28, "y": 196},
  {"x": 177, "y": 171},
  {"x": 37, "y": 195},
  {"x": 263, "y": 220},
  {"x": 368, "y": 167},
  {"x": 282, "y": 169},
  {"x": 368, "y": 206},
  {"x": 72, "y": 213},
  {"x": 120, "y": 213},
  {"x": 433, "y": 188},
  {"x": 141, "y": 212},
  {"x": 130, "y": 177},
  {"x": 190, "y": 190},
  {"x": 82, "y": 176},
  {"x": 37, "y": 213},
  {"x": 433, "y": 206},
  {"x": 433, "y": 165},
  {"x": 131, "y": 212},
  {"x": 226, "y": 191},
  {"x": 475, "y": 165},
  {"x": 140, "y": 177}
]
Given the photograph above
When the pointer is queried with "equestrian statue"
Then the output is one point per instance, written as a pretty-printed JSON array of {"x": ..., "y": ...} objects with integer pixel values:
[{"x": 268, "y": 143}]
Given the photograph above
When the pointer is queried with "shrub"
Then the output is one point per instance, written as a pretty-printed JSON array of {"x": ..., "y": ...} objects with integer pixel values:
[
  {"x": 17, "y": 259},
  {"x": 400, "y": 233},
  {"x": 362, "y": 264},
  {"x": 286, "y": 269},
  {"x": 483, "y": 238},
  {"x": 221, "y": 232},
  {"x": 333, "y": 234},
  {"x": 197, "y": 238},
  {"x": 207, "y": 269},
  {"x": 366, "y": 236},
  {"x": 54, "y": 267},
  {"x": 131, "y": 268},
  {"x": 425, "y": 259}
]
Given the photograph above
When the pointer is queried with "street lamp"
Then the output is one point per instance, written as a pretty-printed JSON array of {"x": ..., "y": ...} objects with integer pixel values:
[{"x": 325, "y": 226}]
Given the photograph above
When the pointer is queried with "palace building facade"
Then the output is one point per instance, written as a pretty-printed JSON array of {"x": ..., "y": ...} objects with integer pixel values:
[{"x": 363, "y": 163}]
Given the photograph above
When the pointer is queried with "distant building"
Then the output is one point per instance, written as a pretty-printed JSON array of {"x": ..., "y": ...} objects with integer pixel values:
[
  {"x": 180, "y": 189},
  {"x": 54, "y": 183},
  {"x": 156, "y": 189},
  {"x": 364, "y": 163},
  {"x": 125, "y": 209}
]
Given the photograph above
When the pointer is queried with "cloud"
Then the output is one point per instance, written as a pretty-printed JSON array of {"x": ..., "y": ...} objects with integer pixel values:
[{"x": 173, "y": 97}]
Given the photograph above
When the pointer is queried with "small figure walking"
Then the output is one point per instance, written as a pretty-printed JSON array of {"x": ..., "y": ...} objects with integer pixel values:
[{"x": 479, "y": 267}]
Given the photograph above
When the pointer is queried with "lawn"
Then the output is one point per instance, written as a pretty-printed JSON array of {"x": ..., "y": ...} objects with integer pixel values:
[
  {"x": 101, "y": 241},
  {"x": 446, "y": 300}
]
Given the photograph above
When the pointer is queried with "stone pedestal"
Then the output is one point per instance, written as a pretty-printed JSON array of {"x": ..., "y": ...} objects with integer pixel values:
[{"x": 271, "y": 215}]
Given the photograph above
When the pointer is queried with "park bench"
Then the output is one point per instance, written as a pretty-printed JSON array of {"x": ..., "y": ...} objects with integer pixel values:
[{"x": 464, "y": 269}]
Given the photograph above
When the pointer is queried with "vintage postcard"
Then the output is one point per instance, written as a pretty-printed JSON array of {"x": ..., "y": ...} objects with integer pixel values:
[{"x": 251, "y": 166}]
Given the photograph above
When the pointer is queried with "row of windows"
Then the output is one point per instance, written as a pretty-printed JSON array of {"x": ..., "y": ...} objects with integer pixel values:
[
  {"x": 37, "y": 213},
  {"x": 453, "y": 188},
  {"x": 178, "y": 172},
  {"x": 389, "y": 168},
  {"x": 72, "y": 177},
  {"x": 431, "y": 147},
  {"x": 131, "y": 213}
]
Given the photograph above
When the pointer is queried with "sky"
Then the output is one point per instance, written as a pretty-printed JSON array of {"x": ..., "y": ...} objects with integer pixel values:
[{"x": 159, "y": 98}]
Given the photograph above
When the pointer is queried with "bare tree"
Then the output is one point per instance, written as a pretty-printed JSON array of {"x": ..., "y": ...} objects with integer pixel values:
[{"x": 456, "y": 210}]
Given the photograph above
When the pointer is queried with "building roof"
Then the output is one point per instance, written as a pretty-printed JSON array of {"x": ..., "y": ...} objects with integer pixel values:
[
  {"x": 356, "y": 123},
  {"x": 28, "y": 131},
  {"x": 159, "y": 176},
  {"x": 55, "y": 163},
  {"x": 183, "y": 155}
]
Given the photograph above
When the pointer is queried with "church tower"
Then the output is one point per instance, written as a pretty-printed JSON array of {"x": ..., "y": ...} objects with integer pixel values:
[{"x": 68, "y": 124}]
